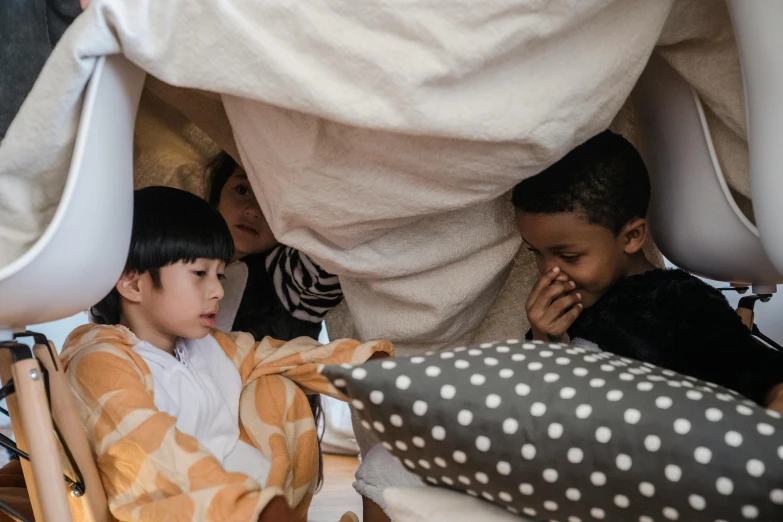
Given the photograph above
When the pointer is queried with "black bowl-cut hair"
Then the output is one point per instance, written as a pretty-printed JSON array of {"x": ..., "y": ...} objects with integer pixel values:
[
  {"x": 604, "y": 179},
  {"x": 169, "y": 225}
]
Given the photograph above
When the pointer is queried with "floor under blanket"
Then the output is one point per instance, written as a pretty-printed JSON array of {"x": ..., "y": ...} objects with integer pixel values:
[{"x": 337, "y": 495}]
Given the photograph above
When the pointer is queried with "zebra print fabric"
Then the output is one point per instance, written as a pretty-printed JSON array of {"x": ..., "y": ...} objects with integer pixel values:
[{"x": 305, "y": 289}]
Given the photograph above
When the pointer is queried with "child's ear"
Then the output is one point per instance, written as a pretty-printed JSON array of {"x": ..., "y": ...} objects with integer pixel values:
[
  {"x": 634, "y": 235},
  {"x": 128, "y": 286}
]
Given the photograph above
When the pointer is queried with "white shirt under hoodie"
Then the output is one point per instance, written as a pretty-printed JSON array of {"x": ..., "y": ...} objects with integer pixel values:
[{"x": 200, "y": 386}]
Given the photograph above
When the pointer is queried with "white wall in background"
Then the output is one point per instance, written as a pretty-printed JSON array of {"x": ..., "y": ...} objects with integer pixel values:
[{"x": 57, "y": 331}]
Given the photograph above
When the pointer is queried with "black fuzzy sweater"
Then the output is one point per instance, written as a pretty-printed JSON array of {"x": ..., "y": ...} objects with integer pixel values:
[{"x": 671, "y": 319}]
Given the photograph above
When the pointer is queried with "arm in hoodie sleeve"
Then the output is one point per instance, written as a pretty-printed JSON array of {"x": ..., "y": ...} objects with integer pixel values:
[
  {"x": 298, "y": 359},
  {"x": 150, "y": 469}
]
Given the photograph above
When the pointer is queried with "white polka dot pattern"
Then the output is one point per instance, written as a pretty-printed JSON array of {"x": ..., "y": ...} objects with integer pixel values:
[{"x": 567, "y": 433}]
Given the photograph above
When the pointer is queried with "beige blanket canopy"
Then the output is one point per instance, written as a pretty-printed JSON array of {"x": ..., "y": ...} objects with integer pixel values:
[{"x": 382, "y": 137}]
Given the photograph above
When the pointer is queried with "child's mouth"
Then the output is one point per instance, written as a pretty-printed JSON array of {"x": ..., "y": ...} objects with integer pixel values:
[
  {"x": 209, "y": 319},
  {"x": 248, "y": 229}
]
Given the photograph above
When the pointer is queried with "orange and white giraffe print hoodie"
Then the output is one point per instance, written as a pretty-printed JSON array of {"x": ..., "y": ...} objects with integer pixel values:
[{"x": 153, "y": 472}]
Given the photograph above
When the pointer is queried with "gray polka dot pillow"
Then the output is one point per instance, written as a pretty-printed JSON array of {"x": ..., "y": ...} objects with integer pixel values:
[{"x": 564, "y": 433}]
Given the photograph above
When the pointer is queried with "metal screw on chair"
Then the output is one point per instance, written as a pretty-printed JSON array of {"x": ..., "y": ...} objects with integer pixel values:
[
  {"x": 76, "y": 491},
  {"x": 34, "y": 375}
]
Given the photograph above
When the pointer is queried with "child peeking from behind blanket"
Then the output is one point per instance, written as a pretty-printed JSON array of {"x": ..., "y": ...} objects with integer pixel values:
[
  {"x": 186, "y": 422},
  {"x": 584, "y": 219}
]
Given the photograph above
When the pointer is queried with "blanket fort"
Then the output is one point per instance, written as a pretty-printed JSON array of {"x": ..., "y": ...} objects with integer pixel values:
[{"x": 381, "y": 137}]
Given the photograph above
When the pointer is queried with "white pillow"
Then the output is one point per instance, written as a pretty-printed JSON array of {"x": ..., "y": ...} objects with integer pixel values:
[
  {"x": 379, "y": 471},
  {"x": 442, "y": 505}
]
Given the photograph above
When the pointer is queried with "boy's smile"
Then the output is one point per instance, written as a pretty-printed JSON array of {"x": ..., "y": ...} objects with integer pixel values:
[{"x": 591, "y": 256}]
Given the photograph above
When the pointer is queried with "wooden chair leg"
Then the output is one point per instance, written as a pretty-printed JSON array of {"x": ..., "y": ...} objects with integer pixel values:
[
  {"x": 34, "y": 432},
  {"x": 746, "y": 315}
]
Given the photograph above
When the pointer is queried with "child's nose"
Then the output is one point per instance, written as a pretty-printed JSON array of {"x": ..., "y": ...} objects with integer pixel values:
[
  {"x": 253, "y": 209},
  {"x": 217, "y": 290}
]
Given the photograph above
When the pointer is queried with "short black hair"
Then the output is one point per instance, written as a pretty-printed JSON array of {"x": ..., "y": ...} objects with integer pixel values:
[
  {"x": 604, "y": 178},
  {"x": 169, "y": 225},
  {"x": 219, "y": 169}
]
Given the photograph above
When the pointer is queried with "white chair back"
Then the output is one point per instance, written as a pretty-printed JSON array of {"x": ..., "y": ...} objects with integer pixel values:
[
  {"x": 80, "y": 256},
  {"x": 759, "y": 40},
  {"x": 693, "y": 217}
]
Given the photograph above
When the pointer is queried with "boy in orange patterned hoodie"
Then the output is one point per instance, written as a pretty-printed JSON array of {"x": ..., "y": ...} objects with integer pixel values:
[{"x": 185, "y": 422}]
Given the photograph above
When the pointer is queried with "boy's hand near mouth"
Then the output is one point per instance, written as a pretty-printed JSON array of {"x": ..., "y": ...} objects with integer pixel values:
[{"x": 553, "y": 306}]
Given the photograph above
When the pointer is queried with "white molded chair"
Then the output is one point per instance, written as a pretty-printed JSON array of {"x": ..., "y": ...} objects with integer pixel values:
[
  {"x": 758, "y": 34},
  {"x": 72, "y": 266},
  {"x": 693, "y": 217}
]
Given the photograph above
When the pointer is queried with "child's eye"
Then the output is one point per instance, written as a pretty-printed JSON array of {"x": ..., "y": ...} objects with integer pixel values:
[
  {"x": 221, "y": 277},
  {"x": 200, "y": 273},
  {"x": 242, "y": 190},
  {"x": 570, "y": 258}
]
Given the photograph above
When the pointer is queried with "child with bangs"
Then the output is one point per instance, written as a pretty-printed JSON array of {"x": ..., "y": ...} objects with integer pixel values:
[{"x": 186, "y": 422}]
